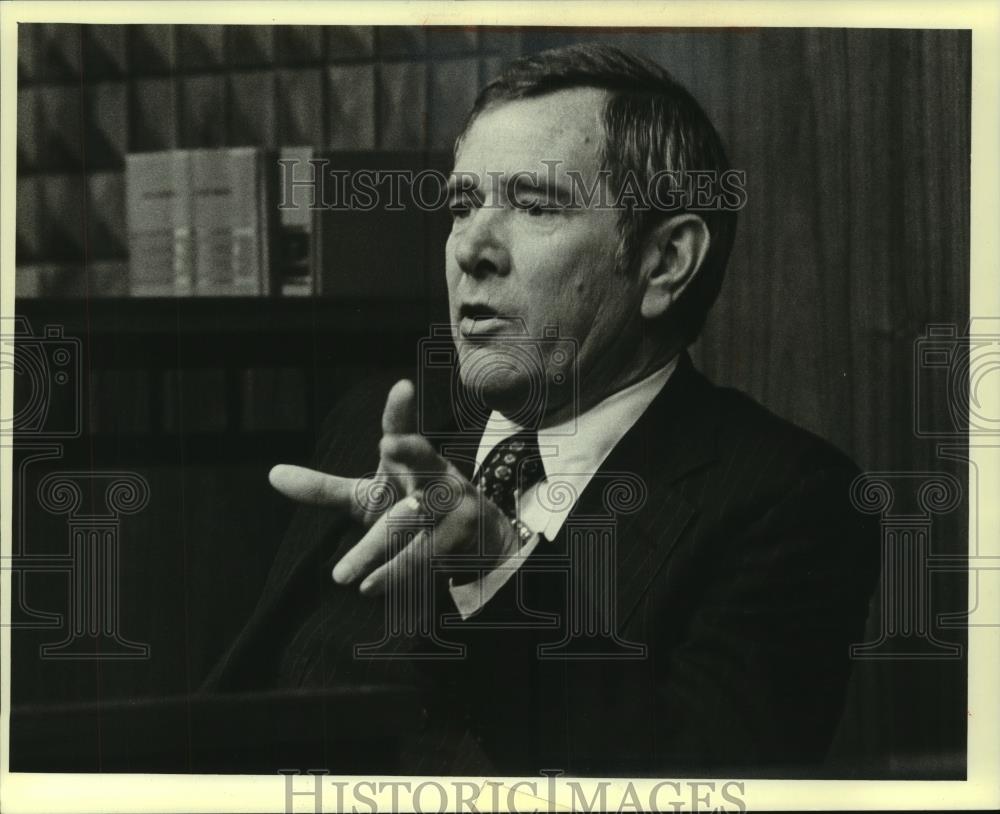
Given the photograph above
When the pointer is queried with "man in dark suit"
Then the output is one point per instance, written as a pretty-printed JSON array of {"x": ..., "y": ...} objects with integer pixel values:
[{"x": 615, "y": 567}]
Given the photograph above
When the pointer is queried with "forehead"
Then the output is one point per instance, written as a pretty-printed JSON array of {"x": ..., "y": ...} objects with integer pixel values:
[{"x": 565, "y": 126}]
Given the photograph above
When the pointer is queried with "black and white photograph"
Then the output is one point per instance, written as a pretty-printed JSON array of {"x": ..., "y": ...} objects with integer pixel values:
[{"x": 610, "y": 406}]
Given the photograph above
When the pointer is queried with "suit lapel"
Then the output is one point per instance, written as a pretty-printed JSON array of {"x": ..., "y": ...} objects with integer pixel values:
[{"x": 638, "y": 488}]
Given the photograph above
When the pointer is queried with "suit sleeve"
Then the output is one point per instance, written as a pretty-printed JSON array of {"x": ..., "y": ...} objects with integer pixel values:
[{"x": 759, "y": 675}]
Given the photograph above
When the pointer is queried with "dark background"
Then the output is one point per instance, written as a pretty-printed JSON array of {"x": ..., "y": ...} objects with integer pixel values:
[{"x": 855, "y": 238}]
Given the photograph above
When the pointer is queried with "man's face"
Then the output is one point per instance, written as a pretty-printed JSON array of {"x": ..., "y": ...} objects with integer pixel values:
[{"x": 519, "y": 261}]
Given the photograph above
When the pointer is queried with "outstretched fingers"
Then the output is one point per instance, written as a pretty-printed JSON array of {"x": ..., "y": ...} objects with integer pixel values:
[
  {"x": 386, "y": 536},
  {"x": 320, "y": 489}
]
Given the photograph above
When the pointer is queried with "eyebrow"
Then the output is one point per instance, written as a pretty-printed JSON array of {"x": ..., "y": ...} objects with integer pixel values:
[{"x": 522, "y": 183}]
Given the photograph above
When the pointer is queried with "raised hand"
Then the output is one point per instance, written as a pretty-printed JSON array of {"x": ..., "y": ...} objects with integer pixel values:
[{"x": 411, "y": 484}]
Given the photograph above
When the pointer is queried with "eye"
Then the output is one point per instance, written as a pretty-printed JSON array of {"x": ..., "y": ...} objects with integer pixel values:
[
  {"x": 538, "y": 209},
  {"x": 459, "y": 208},
  {"x": 462, "y": 204}
]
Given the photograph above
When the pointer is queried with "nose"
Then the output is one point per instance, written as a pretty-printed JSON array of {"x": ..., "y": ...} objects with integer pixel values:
[{"x": 479, "y": 243}]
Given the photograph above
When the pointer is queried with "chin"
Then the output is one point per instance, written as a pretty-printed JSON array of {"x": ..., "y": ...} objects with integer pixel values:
[{"x": 501, "y": 380}]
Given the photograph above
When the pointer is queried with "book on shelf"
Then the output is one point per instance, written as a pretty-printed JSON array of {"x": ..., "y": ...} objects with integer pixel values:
[
  {"x": 295, "y": 251},
  {"x": 199, "y": 223},
  {"x": 71, "y": 280},
  {"x": 158, "y": 223},
  {"x": 229, "y": 222}
]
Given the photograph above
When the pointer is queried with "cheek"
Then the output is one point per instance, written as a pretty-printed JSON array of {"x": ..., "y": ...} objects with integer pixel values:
[
  {"x": 591, "y": 280},
  {"x": 574, "y": 262},
  {"x": 606, "y": 300},
  {"x": 451, "y": 276},
  {"x": 449, "y": 255},
  {"x": 452, "y": 273}
]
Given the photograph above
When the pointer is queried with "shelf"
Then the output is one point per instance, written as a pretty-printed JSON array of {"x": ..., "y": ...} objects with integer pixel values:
[
  {"x": 232, "y": 315},
  {"x": 232, "y": 332},
  {"x": 189, "y": 449},
  {"x": 128, "y": 351}
]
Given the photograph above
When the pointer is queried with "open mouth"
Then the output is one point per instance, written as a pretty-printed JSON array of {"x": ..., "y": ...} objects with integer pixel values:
[
  {"x": 477, "y": 311},
  {"x": 478, "y": 319}
]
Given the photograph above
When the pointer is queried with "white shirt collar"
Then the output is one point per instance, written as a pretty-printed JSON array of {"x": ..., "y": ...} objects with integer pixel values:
[{"x": 575, "y": 449}]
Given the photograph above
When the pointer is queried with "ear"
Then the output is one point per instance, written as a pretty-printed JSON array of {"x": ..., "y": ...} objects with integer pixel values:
[{"x": 671, "y": 256}]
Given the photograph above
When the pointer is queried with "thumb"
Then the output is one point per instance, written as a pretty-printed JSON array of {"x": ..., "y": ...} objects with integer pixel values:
[
  {"x": 400, "y": 414},
  {"x": 414, "y": 452}
]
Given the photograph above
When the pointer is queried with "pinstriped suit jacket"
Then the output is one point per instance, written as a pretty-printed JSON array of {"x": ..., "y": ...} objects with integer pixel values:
[{"x": 705, "y": 632}]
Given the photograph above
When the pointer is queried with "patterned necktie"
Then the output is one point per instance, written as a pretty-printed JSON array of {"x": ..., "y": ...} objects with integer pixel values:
[{"x": 513, "y": 467}]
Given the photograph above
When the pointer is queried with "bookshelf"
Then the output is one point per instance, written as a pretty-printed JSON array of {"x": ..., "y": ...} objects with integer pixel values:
[
  {"x": 199, "y": 397},
  {"x": 222, "y": 381},
  {"x": 245, "y": 317}
]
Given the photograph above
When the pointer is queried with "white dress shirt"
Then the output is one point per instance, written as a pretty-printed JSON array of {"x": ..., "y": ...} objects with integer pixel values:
[{"x": 572, "y": 452}]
